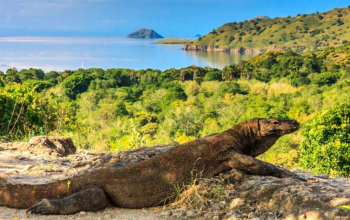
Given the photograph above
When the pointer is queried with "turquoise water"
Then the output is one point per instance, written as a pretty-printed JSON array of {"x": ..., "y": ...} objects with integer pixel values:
[{"x": 61, "y": 53}]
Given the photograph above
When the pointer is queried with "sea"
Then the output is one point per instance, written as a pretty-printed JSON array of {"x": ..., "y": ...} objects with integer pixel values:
[{"x": 71, "y": 53}]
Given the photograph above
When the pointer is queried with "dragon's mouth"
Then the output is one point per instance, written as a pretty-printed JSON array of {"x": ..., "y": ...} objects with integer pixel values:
[{"x": 291, "y": 129}]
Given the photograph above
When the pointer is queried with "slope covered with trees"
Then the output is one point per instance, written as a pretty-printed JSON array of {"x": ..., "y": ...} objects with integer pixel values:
[
  {"x": 119, "y": 109},
  {"x": 304, "y": 32}
]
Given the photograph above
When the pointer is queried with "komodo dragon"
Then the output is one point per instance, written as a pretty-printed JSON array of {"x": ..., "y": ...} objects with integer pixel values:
[{"x": 153, "y": 182}]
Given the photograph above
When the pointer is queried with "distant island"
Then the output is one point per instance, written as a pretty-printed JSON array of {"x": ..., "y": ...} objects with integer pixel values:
[
  {"x": 173, "y": 41},
  {"x": 145, "y": 34},
  {"x": 302, "y": 33}
]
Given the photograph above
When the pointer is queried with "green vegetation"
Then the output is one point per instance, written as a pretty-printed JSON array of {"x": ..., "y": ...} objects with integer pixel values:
[
  {"x": 173, "y": 41},
  {"x": 326, "y": 147},
  {"x": 119, "y": 109},
  {"x": 345, "y": 207},
  {"x": 301, "y": 33},
  {"x": 26, "y": 113}
]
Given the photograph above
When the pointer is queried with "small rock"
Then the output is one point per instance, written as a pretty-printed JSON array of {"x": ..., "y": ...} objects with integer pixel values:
[
  {"x": 236, "y": 203},
  {"x": 166, "y": 213},
  {"x": 82, "y": 213}
]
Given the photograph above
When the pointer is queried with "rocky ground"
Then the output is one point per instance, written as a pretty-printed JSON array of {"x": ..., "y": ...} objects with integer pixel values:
[{"x": 231, "y": 195}]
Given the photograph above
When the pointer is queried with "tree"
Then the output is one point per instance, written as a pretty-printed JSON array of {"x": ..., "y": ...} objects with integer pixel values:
[
  {"x": 76, "y": 84},
  {"x": 12, "y": 75},
  {"x": 326, "y": 78},
  {"x": 173, "y": 94},
  {"x": 230, "y": 88},
  {"x": 52, "y": 77},
  {"x": 38, "y": 85},
  {"x": 25, "y": 74},
  {"x": 326, "y": 145},
  {"x": 230, "y": 72},
  {"x": 2, "y": 77},
  {"x": 183, "y": 73},
  {"x": 213, "y": 76}
]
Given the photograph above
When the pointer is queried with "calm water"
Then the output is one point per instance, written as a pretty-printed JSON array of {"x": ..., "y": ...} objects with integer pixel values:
[{"x": 60, "y": 53}]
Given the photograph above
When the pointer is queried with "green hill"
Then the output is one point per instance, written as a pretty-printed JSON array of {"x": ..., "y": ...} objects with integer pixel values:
[
  {"x": 173, "y": 41},
  {"x": 307, "y": 32}
]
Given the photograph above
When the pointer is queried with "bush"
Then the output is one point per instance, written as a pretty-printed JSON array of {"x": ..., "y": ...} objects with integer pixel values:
[
  {"x": 326, "y": 78},
  {"x": 23, "y": 112},
  {"x": 213, "y": 76},
  {"x": 300, "y": 81},
  {"x": 173, "y": 94},
  {"x": 230, "y": 88},
  {"x": 76, "y": 84},
  {"x": 326, "y": 144},
  {"x": 38, "y": 85}
]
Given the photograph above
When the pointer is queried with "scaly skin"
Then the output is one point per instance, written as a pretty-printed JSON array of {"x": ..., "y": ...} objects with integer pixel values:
[{"x": 153, "y": 182}]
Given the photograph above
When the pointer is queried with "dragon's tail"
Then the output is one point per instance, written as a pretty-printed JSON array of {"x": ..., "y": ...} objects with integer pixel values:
[{"x": 26, "y": 195}]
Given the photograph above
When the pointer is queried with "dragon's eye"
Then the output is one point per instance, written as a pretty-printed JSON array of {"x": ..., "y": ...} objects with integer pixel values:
[{"x": 275, "y": 122}]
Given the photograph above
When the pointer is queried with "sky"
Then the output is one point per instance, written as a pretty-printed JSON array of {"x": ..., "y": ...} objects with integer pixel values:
[{"x": 169, "y": 18}]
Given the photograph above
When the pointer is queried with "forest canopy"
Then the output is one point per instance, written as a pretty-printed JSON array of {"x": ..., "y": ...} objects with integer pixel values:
[{"x": 120, "y": 109}]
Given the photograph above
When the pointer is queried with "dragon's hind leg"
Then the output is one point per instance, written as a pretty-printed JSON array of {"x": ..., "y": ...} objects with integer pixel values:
[{"x": 90, "y": 199}]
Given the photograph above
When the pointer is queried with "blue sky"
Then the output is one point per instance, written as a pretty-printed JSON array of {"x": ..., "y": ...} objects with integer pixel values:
[{"x": 170, "y": 18}]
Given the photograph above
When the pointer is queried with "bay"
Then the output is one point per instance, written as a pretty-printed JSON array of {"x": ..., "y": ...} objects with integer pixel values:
[{"x": 63, "y": 53}]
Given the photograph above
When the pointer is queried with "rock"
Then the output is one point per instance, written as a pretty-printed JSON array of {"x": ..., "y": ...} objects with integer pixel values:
[
  {"x": 236, "y": 203},
  {"x": 82, "y": 213},
  {"x": 166, "y": 213},
  {"x": 260, "y": 18},
  {"x": 62, "y": 145}
]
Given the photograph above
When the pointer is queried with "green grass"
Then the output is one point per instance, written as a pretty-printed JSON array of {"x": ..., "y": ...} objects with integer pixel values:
[
  {"x": 173, "y": 41},
  {"x": 345, "y": 207},
  {"x": 300, "y": 33}
]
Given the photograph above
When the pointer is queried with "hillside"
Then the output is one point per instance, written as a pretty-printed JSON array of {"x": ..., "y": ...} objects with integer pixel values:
[
  {"x": 307, "y": 32},
  {"x": 173, "y": 41},
  {"x": 144, "y": 33}
]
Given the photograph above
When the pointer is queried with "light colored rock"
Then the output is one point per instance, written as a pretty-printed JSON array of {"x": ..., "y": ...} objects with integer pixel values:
[{"x": 236, "y": 203}]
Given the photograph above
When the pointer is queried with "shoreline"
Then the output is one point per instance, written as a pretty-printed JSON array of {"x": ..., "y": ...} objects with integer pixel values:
[
  {"x": 221, "y": 49},
  {"x": 242, "y": 50}
]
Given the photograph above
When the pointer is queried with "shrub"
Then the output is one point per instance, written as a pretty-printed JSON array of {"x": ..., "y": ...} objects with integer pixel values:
[
  {"x": 326, "y": 78},
  {"x": 230, "y": 88},
  {"x": 326, "y": 144},
  {"x": 173, "y": 94},
  {"x": 300, "y": 81},
  {"x": 76, "y": 84},
  {"x": 213, "y": 76},
  {"x": 38, "y": 85},
  {"x": 23, "y": 112}
]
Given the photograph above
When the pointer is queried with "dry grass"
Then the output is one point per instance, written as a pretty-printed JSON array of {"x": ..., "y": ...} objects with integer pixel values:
[{"x": 196, "y": 195}]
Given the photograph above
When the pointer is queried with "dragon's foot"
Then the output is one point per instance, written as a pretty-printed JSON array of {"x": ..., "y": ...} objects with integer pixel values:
[{"x": 45, "y": 207}]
